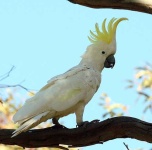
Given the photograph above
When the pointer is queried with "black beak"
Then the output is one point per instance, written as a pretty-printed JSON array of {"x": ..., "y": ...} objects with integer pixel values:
[{"x": 110, "y": 62}]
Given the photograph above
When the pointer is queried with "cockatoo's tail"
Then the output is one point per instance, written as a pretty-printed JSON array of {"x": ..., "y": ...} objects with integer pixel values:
[{"x": 71, "y": 91}]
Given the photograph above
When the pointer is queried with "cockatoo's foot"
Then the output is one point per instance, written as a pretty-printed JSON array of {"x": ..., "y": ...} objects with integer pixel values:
[
  {"x": 82, "y": 124},
  {"x": 86, "y": 123},
  {"x": 95, "y": 121},
  {"x": 57, "y": 124}
]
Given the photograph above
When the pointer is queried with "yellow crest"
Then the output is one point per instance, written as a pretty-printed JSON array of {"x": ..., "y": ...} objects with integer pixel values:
[{"x": 106, "y": 35}]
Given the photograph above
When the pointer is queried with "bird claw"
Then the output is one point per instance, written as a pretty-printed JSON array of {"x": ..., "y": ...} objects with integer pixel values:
[
  {"x": 95, "y": 121},
  {"x": 59, "y": 126},
  {"x": 86, "y": 123},
  {"x": 82, "y": 124}
]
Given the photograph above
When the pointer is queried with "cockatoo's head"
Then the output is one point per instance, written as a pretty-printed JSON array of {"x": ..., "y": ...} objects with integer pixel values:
[{"x": 101, "y": 51}]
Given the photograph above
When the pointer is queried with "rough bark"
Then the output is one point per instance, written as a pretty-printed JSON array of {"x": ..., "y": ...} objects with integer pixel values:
[
  {"x": 135, "y": 5},
  {"x": 93, "y": 133}
]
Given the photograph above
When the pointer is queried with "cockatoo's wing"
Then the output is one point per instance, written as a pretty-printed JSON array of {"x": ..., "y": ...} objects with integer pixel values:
[
  {"x": 66, "y": 74},
  {"x": 61, "y": 93}
]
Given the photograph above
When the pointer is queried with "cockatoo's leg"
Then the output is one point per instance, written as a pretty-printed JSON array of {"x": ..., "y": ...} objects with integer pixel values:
[
  {"x": 55, "y": 121},
  {"x": 79, "y": 114},
  {"x": 79, "y": 117}
]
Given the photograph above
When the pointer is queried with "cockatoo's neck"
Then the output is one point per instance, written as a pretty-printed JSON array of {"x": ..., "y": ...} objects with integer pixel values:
[
  {"x": 92, "y": 59},
  {"x": 92, "y": 64}
]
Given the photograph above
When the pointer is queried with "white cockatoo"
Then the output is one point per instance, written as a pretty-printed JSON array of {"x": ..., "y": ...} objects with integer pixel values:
[{"x": 71, "y": 91}]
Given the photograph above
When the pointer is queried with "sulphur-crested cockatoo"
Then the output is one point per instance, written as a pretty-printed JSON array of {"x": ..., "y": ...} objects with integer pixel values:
[{"x": 71, "y": 91}]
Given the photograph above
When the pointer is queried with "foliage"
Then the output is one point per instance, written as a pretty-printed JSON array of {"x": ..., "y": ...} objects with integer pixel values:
[
  {"x": 112, "y": 109},
  {"x": 143, "y": 84}
]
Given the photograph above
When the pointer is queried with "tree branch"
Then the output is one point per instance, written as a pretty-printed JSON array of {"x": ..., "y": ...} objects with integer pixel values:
[
  {"x": 135, "y": 5},
  {"x": 94, "y": 133}
]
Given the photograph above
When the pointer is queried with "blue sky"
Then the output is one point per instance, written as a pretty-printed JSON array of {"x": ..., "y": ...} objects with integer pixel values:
[{"x": 45, "y": 38}]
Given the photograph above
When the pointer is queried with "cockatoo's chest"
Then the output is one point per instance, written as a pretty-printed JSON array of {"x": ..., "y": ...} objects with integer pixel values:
[{"x": 92, "y": 80}]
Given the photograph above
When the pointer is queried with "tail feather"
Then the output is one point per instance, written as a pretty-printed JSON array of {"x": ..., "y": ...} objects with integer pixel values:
[
  {"x": 31, "y": 122},
  {"x": 27, "y": 125}
]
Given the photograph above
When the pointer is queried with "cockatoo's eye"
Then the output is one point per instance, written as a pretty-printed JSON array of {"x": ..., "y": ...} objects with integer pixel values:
[{"x": 103, "y": 52}]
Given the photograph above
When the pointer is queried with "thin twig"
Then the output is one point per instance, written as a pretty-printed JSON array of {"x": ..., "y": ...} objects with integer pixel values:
[
  {"x": 144, "y": 94},
  {"x": 6, "y": 75},
  {"x": 16, "y": 85},
  {"x": 126, "y": 146}
]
